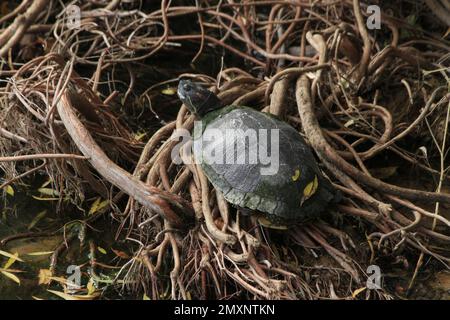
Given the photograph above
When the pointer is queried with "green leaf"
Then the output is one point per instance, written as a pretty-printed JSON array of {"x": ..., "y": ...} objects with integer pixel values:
[
  {"x": 296, "y": 175},
  {"x": 9, "y": 190},
  {"x": 101, "y": 250}
]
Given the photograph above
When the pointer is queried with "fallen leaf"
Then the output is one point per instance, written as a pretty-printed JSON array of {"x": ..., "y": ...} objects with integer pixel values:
[
  {"x": 45, "y": 276},
  {"x": 358, "y": 291},
  {"x": 169, "y": 91},
  {"x": 310, "y": 188},
  {"x": 46, "y": 183},
  {"x": 11, "y": 276},
  {"x": 10, "y": 255},
  {"x": 101, "y": 250},
  {"x": 37, "y": 218},
  {"x": 91, "y": 288},
  {"x": 10, "y": 261},
  {"x": 48, "y": 192},
  {"x": 10, "y": 190},
  {"x": 40, "y": 253},
  {"x": 98, "y": 205},
  {"x": 138, "y": 136},
  {"x": 45, "y": 199},
  {"x": 120, "y": 254}
]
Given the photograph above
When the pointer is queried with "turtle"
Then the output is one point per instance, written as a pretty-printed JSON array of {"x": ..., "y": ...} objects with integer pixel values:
[{"x": 225, "y": 147}]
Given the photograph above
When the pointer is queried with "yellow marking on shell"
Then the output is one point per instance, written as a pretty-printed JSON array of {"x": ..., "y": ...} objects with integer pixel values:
[
  {"x": 310, "y": 188},
  {"x": 268, "y": 224},
  {"x": 296, "y": 175}
]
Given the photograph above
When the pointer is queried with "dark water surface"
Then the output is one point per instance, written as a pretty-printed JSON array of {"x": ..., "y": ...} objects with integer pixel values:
[{"x": 22, "y": 213}]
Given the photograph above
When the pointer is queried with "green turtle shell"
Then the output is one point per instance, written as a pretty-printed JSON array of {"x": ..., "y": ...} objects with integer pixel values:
[{"x": 295, "y": 191}]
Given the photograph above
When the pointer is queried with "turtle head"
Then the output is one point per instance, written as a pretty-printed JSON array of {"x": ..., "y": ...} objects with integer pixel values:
[{"x": 197, "y": 99}]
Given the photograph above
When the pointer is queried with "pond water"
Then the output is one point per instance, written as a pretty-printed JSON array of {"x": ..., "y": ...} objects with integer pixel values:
[{"x": 20, "y": 214}]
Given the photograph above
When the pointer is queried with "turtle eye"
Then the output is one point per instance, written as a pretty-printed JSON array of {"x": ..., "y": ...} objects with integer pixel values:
[{"x": 187, "y": 88}]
